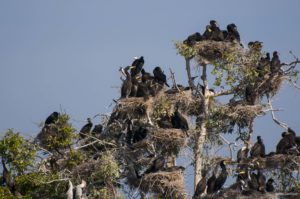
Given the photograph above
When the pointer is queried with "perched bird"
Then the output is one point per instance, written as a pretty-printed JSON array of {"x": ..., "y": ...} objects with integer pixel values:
[
  {"x": 159, "y": 76},
  {"x": 217, "y": 34},
  {"x": 127, "y": 84},
  {"x": 51, "y": 119},
  {"x": 286, "y": 143},
  {"x": 207, "y": 33},
  {"x": 192, "y": 39},
  {"x": 261, "y": 181},
  {"x": 211, "y": 184},
  {"x": 221, "y": 179},
  {"x": 179, "y": 121},
  {"x": 258, "y": 149},
  {"x": 158, "y": 164},
  {"x": 275, "y": 62},
  {"x": 233, "y": 33},
  {"x": 165, "y": 122},
  {"x": 137, "y": 66},
  {"x": 86, "y": 129},
  {"x": 270, "y": 186},
  {"x": 134, "y": 86},
  {"x": 255, "y": 45},
  {"x": 253, "y": 181},
  {"x": 97, "y": 129},
  {"x": 146, "y": 76},
  {"x": 242, "y": 154},
  {"x": 201, "y": 186}
]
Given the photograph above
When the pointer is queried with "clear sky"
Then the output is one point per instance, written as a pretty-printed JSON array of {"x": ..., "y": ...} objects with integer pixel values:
[{"x": 67, "y": 53}]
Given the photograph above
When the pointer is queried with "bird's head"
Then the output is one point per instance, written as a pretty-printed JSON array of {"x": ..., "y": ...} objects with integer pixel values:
[
  {"x": 214, "y": 23},
  {"x": 89, "y": 120}
]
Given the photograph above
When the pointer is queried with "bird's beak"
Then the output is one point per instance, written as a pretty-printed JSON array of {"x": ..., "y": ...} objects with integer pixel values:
[
  {"x": 209, "y": 30},
  {"x": 242, "y": 172}
]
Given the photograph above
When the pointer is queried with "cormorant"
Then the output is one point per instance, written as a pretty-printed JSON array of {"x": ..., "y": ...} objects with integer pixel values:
[
  {"x": 192, "y": 39},
  {"x": 242, "y": 154},
  {"x": 270, "y": 186},
  {"x": 207, "y": 34},
  {"x": 86, "y": 129},
  {"x": 253, "y": 181},
  {"x": 178, "y": 121},
  {"x": 221, "y": 179},
  {"x": 127, "y": 84},
  {"x": 159, "y": 76},
  {"x": 165, "y": 122},
  {"x": 51, "y": 119},
  {"x": 158, "y": 164},
  {"x": 211, "y": 184},
  {"x": 275, "y": 62},
  {"x": 137, "y": 66},
  {"x": 287, "y": 142},
  {"x": 258, "y": 149},
  {"x": 97, "y": 129},
  {"x": 261, "y": 181},
  {"x": 233, "y": 33},
  {"x": 201, "y": 186},
  {"x": 146, "y": 76},
  {"x": 134, "y": 86},
  {"x": 217, "y": 34}
]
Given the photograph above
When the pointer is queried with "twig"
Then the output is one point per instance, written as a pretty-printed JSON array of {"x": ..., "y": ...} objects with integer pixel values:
[
  {"x": 58, "y": 180},
  {"x": 229, "y": 145},
  {"x": 173, "y": 79},
  {"x": 101, "y": 141}
]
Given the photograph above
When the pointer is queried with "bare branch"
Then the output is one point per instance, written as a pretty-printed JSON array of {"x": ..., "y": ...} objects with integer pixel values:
[
  {"x": 223, "y": 92},
  {"x": 282, "y": 124},
  {"x": 173, "y": 79}
]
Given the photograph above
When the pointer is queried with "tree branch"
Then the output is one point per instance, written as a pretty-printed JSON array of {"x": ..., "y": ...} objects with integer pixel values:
[{"x": 282, "y": 124}]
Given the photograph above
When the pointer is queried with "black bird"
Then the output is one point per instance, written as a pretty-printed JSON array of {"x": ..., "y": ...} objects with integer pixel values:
[
  {"x": 258, "y": 149},
  {"x": 192, "y": 39},
  {"x": 261, "y": 181},
  {"x": 159, "y": 76},
  {"x": 275, "y": 62},
  {"x": 200, "y": 188},
  {"x": 134, "y": 86},
  {"x": 127, "y": 84},
  {"x": 157, "y": 165},
  {"x": 178, "y": 121},
  {"x": 242, "y": 154},
  {"x": 165, "y": 122},
  {"x": 137, "y": 66},
  {"x": 211, "y": 184},
  {"x": 208, "y": 33},
  {"x": 146, "y": 76},
  {"x": 86, "y": 129},
  {"x": 97, "y": 129},
  {"x": 233, "y": 33},
  {"x": 286, "y": 143},
  {"x": 253, "y": 181},
  {"x": 255, "y": 45},
  {"x": 270, "y": 186},
  {"x": 217, "y": 34},
  {"x": 140, "y": 134},
  {"x": 51, "y": 119},
  {"x": 221, "y": 179}
]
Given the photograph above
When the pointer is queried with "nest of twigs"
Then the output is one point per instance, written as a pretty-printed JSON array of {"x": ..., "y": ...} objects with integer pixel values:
[
  {"x": 184, "y": 99},
  {"x": 271, "y": 84},
  {"x": 168, "y": 184},
  {"x": 208, "y": 51}
]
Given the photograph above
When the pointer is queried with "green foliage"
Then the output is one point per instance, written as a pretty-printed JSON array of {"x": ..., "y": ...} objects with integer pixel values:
[
  {"x": 41, "y": 185},
  {"x": 60, "y": 135},
  {"x": 162, "y": 108},
  {"x": 185, "y": 50},
  {"x": 74, "y": 159},
  {"x": 109, "y": 168},
  {"x": 5, "y": 193},
  {"x": 17, "y": 152}
]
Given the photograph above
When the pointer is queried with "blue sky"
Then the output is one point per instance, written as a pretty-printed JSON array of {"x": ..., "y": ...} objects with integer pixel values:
[{"x": 67, "y": 53}]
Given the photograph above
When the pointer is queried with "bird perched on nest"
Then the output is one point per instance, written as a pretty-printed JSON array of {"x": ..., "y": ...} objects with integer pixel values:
[
  {"x": 97, "y": 130},
  {"x": 207, "y": 33},
  {"x": 127, "y": 83},
  {"x": 233, "y": 34},
  {"x": 201, "y": 186},
  {"x": 179, "y": 121},
  {"x": 221, "y": 179},
  {"x": 286, "y": 143},
  {"x": 137, "y": 66},
  {"x": 258, "y": 149},
  {"x": 86, "y": 129},
  {"x": 217, "y": 34},
  {"x": 211, "y": 183},
  {"x": 159, "y": 76},
  {"x": 53, "y": 118},
  {"x": 275, "y": 63},
  {"x": 193, "y": 38}
]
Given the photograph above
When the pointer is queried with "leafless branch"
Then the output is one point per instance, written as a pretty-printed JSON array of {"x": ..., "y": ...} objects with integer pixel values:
[
  {"x": 229, "y": 145},
  {"x": 188, "y": 70},
  {"x": 223, "y": 92},
  {"x": 173, "y": 79},
  {"x": 282, "y": 124}
]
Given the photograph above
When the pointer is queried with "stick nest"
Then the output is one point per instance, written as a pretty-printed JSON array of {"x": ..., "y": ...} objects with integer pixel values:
[
  {"x": 168, "y": 184},
  {"x": 208, "y": 51}
]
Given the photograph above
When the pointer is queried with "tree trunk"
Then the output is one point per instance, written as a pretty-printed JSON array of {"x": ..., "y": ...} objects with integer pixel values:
[
  {"x": 188, "y": 71},
  {"x": 202, "y": 132}
]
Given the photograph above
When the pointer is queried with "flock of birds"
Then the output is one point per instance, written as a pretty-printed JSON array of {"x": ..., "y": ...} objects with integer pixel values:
[
  {"x": 139, "y": 83},
  {"x": 247, "y": 180}
]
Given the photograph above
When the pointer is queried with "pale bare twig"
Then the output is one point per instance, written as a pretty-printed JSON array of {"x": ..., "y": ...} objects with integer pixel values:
[{"x": 282, "y": 124}]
